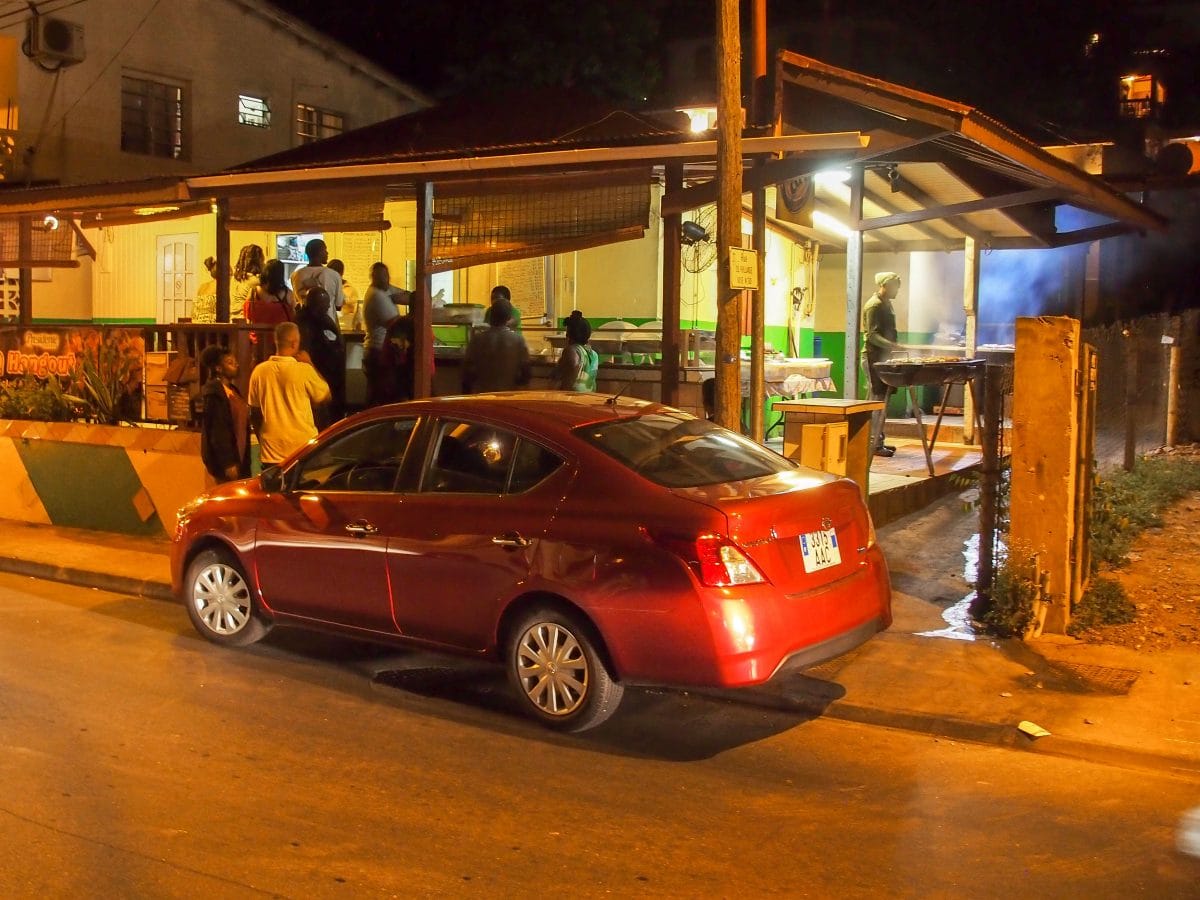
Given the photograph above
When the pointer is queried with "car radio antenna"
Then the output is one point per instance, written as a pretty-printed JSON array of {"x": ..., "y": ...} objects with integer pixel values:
[{"x": 612, "y": 401}]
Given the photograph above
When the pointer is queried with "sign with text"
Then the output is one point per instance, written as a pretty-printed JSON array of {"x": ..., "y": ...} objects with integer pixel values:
[
  {"x": 58, "y": 351},
  {"x": 743, "y": 269}
]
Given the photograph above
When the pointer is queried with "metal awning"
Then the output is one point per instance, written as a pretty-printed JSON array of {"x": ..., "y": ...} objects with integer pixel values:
[{"x": 937, "y": 172}]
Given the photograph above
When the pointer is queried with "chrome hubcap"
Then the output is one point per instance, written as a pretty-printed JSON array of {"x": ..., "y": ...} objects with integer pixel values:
[
  {"x": 552, "y": 669},
  {"x": 221, "y": 599}
]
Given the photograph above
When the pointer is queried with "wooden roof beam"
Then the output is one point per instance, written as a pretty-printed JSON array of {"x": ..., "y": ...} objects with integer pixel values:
[
  {"x": 910, "y": 190},
  {"x": 1019, "y": 198},
  {"x": 932, "y": 233},
  {"x": 1084, "y": 190},
  {"x": 773, "y": 172},
  {"x": 1039, "y": 222}
]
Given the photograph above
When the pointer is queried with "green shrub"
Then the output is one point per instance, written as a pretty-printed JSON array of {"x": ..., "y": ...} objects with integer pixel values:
[
  {"x": 1103, "y": 603},
  {"x": 107, "y": 379},
  {"x": 1126, "y": 503},
  {"x": 1014, "y": 590},
  {"x": 31, "y": 398}
]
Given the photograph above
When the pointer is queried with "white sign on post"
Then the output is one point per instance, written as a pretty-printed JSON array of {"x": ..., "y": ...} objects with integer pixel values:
[{"x": 743, "y": 269}]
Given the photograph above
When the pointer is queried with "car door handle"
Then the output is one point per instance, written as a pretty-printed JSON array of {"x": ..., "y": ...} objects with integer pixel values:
[
  {"x": 510, "y": 541},
  {"x": 361, "y": 528}
]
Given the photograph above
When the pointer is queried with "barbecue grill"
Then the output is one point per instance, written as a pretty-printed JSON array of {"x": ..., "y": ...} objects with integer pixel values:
[
  {"x": 908, "y": 374},
  {"x": 928, "y": 372}
]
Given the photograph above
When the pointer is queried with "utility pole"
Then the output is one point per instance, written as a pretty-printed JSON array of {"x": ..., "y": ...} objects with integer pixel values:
[
  {"x": 729, "y": 212},
  {"x": 758, "y": 298}
]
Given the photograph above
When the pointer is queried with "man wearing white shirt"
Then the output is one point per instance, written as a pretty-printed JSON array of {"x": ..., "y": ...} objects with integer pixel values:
[{"x": 317, "y": 274}]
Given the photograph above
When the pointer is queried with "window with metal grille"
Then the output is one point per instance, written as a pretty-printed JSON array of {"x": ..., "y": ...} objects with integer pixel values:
[
  {"x": 152, "y": 117},
  {"x": 313, "y": 124},
  {"x": 254, "y": 111}
]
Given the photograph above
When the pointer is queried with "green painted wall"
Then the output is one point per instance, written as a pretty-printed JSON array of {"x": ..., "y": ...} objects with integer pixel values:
[{"x": 87, "y": 486}]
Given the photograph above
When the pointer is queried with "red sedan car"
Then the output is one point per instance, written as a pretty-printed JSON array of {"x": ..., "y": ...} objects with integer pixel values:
[{"x": 585, "y": 542}]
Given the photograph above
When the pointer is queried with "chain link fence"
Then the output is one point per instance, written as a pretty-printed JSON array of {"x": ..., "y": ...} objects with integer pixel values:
[{"x": 1133, "y": 385}]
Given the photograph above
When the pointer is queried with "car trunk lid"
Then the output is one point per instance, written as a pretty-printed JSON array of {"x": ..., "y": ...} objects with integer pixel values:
[{"x": 773, "y": 519}]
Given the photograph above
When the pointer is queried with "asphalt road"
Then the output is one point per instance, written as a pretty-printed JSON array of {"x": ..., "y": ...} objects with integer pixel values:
[{"x": 137, "y": 760}]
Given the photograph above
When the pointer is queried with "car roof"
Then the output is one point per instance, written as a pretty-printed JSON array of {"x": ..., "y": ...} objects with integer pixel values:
[{"x": 537, "y": 410}]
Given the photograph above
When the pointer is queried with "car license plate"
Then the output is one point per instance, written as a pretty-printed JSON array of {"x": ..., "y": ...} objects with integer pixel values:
[{"x": 820, "y": 550}]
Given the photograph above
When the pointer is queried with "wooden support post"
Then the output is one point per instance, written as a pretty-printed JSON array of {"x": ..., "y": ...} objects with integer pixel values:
[
  {"x": 672, "y": 275},
  {"x": 729, "y": 213},
  {"x": 422, "y": 311},
  {"x": 758, "y": 315},
  {"x": 1173, "y": 360},
  {"x": 971, "y": 262},
  {"x": 989, "y": 488},
  {"x": 24, "y": 274},
  {"x": 1131, "y": 398},
  {"x": 224, "y": 269},
  {"x": 854, "y": 288}
]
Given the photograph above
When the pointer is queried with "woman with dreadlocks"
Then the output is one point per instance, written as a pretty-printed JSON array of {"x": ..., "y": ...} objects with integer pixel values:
[{"x": 246, "y": 276}]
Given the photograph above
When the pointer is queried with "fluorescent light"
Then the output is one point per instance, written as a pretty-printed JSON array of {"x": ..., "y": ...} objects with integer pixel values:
[
  {"x": 827, "y": 222},
  {"x": 831, "y": 177}
]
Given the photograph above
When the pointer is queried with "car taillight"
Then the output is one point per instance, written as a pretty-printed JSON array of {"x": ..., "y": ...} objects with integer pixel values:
[{"x": 716, "y": 560}]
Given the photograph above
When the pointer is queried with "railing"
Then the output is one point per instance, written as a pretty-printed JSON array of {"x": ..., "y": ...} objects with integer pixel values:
[{"x": 175, "y": 402}]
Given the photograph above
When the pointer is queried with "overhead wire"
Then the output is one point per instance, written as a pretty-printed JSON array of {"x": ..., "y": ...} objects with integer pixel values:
[
  {"x": 42, "y": 9},
  {"x": 116, "y": 55}
]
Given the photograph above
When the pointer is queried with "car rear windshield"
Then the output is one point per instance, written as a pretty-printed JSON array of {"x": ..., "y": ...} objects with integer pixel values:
[{"x": 678, "y": 450}]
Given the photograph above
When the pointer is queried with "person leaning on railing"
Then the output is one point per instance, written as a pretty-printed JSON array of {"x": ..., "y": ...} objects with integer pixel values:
[{"x": 578, "y": 363}]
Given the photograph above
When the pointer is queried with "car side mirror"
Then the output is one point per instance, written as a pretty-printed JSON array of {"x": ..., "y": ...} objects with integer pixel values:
[{"x": 272, "y": 480}]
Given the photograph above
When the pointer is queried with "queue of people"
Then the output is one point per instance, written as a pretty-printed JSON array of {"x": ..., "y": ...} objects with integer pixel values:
[{"x": 301, "y": 387}]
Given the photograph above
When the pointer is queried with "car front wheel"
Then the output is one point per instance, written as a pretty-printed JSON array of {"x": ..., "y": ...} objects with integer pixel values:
[
  {"x": 220, "y": 601},
  {"x": 554, "y": 664}
]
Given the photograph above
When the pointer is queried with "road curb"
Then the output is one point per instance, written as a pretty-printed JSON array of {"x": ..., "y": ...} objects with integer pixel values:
[
  {"x": 1008, "y": 736},
  {"x": 103, "y": 581},
  {"x": 995, "y": 734}
]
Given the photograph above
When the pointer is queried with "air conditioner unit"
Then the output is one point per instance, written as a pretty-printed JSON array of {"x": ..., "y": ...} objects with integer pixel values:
[{"x": 55, "y": 40}]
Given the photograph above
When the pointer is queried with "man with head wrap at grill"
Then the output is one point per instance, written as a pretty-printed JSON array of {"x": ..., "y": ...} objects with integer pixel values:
[{"x": 879, "y": 332}]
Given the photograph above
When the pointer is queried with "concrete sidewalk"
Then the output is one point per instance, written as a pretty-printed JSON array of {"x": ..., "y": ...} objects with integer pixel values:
[{"x": 1101, "y": 703}]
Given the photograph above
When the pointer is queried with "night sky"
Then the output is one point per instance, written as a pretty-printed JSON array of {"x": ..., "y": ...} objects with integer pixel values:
[{"x": 1023, "y": 60}]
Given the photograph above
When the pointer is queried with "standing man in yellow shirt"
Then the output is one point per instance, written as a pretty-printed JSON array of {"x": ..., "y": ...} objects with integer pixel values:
[{"x": 282, "y": 392}]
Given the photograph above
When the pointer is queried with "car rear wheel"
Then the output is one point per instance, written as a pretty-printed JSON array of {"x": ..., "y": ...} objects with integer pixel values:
[
  {"x": 556, "y": 667},
  {"x": 220, "y": 601}
]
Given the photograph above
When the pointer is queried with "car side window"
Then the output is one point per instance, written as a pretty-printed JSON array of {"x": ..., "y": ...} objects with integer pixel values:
[
  {"x": 469, "y": 458},
  {"x": 366, "y": 459},
  {"x": 532, "y": 464}
]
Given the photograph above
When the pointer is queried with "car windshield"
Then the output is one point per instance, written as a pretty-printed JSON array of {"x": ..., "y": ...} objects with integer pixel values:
[{"x": 678, "y": 450}]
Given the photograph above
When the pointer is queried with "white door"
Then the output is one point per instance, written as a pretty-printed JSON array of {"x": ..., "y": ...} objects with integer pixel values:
[{"x": 177, "y": 277}]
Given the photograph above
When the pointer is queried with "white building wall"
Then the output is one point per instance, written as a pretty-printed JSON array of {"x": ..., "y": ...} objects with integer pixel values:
[
  {"x": 935, "y": 292},
  {"x": 71, "y": 118}
]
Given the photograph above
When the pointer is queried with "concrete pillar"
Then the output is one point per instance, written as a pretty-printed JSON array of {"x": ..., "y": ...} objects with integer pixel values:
[{"x": 1046, "y": 459}]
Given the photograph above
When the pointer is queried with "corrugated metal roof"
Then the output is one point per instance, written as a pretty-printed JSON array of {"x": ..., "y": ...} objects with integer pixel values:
[
  {"x": 972, "y": 174},
  {"x": 472, "y": 126}
]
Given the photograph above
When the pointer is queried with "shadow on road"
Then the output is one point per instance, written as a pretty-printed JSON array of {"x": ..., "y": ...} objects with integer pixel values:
[
  {"x": 668, "y": 725},
  {"x": 653, "y": 723}
]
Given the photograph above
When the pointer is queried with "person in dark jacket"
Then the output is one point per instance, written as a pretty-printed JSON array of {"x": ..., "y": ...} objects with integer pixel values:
[
  {"x": 225, "y": 421},
  {"x": 320, "y": 339}
]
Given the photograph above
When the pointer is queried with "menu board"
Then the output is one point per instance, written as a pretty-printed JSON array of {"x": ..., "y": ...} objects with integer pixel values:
[
  {"x": 526, "y": 278},
  {"x": 360, "y": 250}
]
